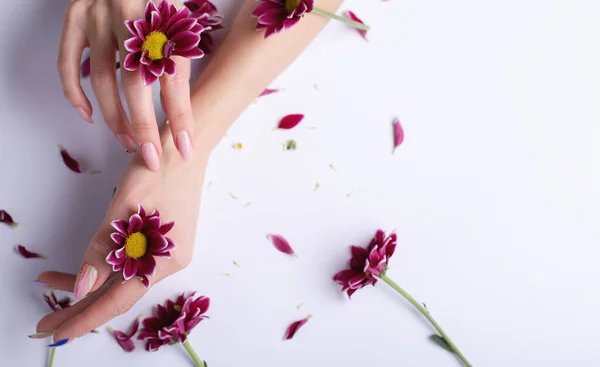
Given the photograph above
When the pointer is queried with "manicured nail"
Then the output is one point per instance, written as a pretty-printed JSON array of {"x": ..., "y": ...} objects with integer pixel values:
[
  {"x": 85, "y": 280},
  {"x": 184, "y": 145},
  {"x": 41, "y": 335},
  {"x": 84, "y": 115},
  {"x": 40, "y": 284},
  {"x": 59, "y": 343},
  {"x": 127, "y": 142},
  {"x": 150, "y": 156}
]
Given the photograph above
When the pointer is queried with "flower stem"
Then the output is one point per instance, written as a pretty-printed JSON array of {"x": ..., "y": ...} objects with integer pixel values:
[
  {"x": 425, "y": 313},
  {"x": 193, "y": 354},
  {"x": 51, "y": 360},
  {"x": 357, "y": 25}
]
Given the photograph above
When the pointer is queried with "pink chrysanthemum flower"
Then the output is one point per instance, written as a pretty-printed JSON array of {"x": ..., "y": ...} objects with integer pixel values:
[
  {"x": 173, "y": 321},
  {"x": 140, "y": 239},
  {"x": 366, "y": 265},
  {"x": 163, "y": 32},
  {"x": 276, "y": 15},
  {"x": 205, "y": 12}
]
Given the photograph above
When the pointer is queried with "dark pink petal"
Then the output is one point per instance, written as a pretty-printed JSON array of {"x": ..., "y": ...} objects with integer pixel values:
[
  {"x": 142, "y": 27},
  {"x": 155, "y": 213},
  {"x": 293, "y": 328},
  {"x": 150, "y": 7},
  {"x": 147, "y": 265},
  {"x": 121, "y": 226},
  {"x": 130, "y": 268},
  {"x": 71, "y": 163},
  {"x": 157, "y": 67},
  {"x": 145, "y": 59},
  {"x": 116, "y": 257},
  {"x": 281, "y": 244},
  {"x": 290, "y": 121},
  {"x": 7, "y": 219},
  {"x": 169, "y": 67},
  {"x": 185, "y": 41},
  {"x": 29, "y": 254},
  {"x": 141, "y": 211},
  {"x": 156, "y": 242},
  {"x": 152, "y": 223},
  {"x": 194, "y": 53},
  {"x": 117, "y": 238},
  {"x": 125, "y": 343},
  {"x": 268, "y": 91},
  {"x": 148, "y": 77},
  {"x": 398, "y": 133},
  {"x": 132, "y": 61},
  {"x": 133, "y": 44},
  {"x": 350, "y": 15},
  {"x": 136, "y": 223},
  {"x": 85, "y": 68},
  {"x": 165, "y": 228}
]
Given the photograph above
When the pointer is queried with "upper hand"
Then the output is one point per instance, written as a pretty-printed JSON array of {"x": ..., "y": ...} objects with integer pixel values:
[{"x": 99, "y": 25}]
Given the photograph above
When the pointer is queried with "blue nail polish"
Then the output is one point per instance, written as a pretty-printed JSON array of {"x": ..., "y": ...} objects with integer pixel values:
[
  {"x": 40, "y": 284},
  {"x": 59, "y": 343}
]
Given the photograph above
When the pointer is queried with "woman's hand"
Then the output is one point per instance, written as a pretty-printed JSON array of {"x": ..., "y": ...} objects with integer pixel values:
[
  {"x": 99, "y": 25},
  {"x": 175, "y": 192}
]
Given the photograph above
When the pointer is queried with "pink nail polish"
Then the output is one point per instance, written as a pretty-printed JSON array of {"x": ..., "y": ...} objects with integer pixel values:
[
  {"x": 184, "y": 145},
  {"x": 150, "y": 156},
  {"x": 85, "y": 280},
  {"x": 84, "y": 115},
  {"x": 127, "y": 142}
]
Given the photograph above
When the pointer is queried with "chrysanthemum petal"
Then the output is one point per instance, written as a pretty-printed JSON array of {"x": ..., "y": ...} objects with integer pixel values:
[
  {"x": 290, "y": 121},
  {"x": 85, "y": 68},
  {"x": 294, "y": 327},
  {"x": 350, "y": 15},
  {"x": 29, "y": 254},
  {"x": 113, "y": 257},
  {"x": 157, "y": 67},
  {"x": 268, "y": 91},
  {"x": 398, "y": 133},
  {"x": 130, "y": 268},
  {"x": 281, "y": 244},
  {"x": 166, "y": 227},
  {"x": 147, "y": 265},
  {"x": 169, "y": 67},
  {"x": 7, "y": 219},
  {"x": 133, "y": 44},
  {"x": 194, "y": 53},
  {"x": 132, "y": 61},
  {"x": 69, "y": 161},
  {"x": 147, "y": 76},
  {"x": 120, "y": 225},
  {"x": 117, "y": 238},
  {"x": 185, "y": 41},
  {"x": 136, "y": 223}
]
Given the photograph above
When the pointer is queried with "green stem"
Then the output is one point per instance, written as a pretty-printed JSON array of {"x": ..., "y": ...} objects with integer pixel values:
[
  {"x": 51, "y": 360},
  {"x": 425, "y": 313},
  {"x": 357, "y": 25},
  {"x": 193, "y": 354}
]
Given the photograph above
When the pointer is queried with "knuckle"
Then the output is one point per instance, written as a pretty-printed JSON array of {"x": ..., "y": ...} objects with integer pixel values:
[
  {"x": 144, "y": 125},
  {"x": 101, "y": 246},
  {"x": 101, "y": 77},
  {"x": 63, "y": 66},
  {"x": 177, "y": 81},
  {"x": 71, "y": 93},
  {"x": 181, "y": 117}
]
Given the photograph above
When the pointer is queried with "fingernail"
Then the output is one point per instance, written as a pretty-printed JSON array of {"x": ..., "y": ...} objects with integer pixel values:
[
  {"x": 59, "y": 343},
  {"x": 85, "y": 280},
  {"x": 40, "y": 284},
  {"x": 184, "y": 145},
  {"x": 84, "y": 115},
  {"x": 150, "y": 156},
  {"x": 41, "y": 335},
  {"x": 127, "y": 142}
]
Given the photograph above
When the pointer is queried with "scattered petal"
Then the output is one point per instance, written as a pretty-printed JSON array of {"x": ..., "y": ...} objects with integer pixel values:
[
  {"x": 350, "y": 15},
  {"x": 350, "y": 193},
  {"x": 317, "y": 186},
  {"x": 233, "y": 196},
  {"x": 300, "y": 305},
  {"x": 333, "y": 167},
  {"x": 268, "y": 91},
  {"x": 398, "y": 134},
  {"x": 294, "y": 327},
  {"x": 29, "y": 254},
  {"x": 281, "y": 244},
  {"x": 7, "y": 219},
  {"x": 236, "y": 263},
  {"x": 125, "y": 339},
  {"x": 290, "y": 145},
  {"x": 316, "y": 86},
  {"x": 247, "y": 205},
  {"x": 290, "y": 121},
  {"x": 85, "y": 68},
  {"x": 238, "y": 146},
  {"x": 71, "y": 163}
]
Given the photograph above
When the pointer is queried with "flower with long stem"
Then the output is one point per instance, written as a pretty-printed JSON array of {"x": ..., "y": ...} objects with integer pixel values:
[
  {"x": 275, "y": 15},
  {"x": 369, "y": 265}
]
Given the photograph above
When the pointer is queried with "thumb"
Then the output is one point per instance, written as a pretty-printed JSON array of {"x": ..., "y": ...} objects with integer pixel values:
[{"x": 95, "y": 270}]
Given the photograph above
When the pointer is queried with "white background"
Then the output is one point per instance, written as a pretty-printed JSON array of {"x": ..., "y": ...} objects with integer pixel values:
[{"x": 495, "y": 193}]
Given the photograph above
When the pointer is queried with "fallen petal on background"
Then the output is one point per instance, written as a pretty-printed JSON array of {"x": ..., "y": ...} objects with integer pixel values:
[
  {"x": 29, "y": 254},
  {"x": 398, "y": 133},
  {"x": 7, "y": 219},
  {"x": 293, "y": 328},
  {"x": 350, "y": 15},
  {"x": 268, "y": 91},
  {"x": 85, "y": 68},
  {"x": 290, "y": 121},
  {"x": 281, "y": 244},
  {"x": 71, "y": 163}
]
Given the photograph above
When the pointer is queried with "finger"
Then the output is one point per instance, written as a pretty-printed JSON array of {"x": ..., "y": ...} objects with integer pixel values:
[
  {"x": 54, "y": 279},
  {"x": 141, "y": 111},
  {"x": 95, "y": 270},
  {"x": 53, "y": 320},
  {"x": 104, "y": 84},
  {"x": 118, "y": 299},
  {"x": 175, "y": 93},
  {"x": 72, "y": 43}
]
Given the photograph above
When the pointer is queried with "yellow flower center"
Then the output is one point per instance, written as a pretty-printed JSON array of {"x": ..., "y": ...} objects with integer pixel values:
[
  {"x": 136, "y": 245},
  {"x": 291, "y": 5},
  {"x": 155, "y": 45}
]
